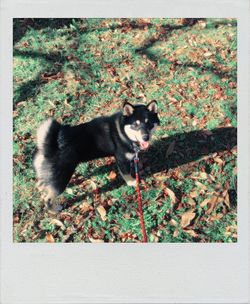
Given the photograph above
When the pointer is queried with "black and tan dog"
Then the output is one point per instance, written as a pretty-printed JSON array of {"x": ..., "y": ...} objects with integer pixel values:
[{"x": 60, "y": 148}]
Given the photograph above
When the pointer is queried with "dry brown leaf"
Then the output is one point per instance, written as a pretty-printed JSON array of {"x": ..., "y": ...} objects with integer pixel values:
[
  {"x": 173, "y": 222},
  {"x": 191, "y": 233},
  {"x": 194, "y": 123},
  {"x": 202, "y": 186},
  {"x": 176, "y": 233},
  {"x": 191, "y": 202},
  {"x": 207, "y": 54},
  {"x": 205, "y": 202},
  {"x": 102, "y": 212},
  {"x": 203, "y": 175},
  {"x": 69, "y": 232},
  {"x": 216, "y": 217},
  {"x": 171, "y": 194},
  {"x": 234, "y": 150},
  {"x": 224, "y": 193},
  {"x": 93, "y": 184},
  {"x": 112, "y": 175},
  {"x": 58, "y": 223},
  {"x": 211, "y": 177},
  {"x": 218, "y": 160},
  {"x": 187, "y": 217},
  {"x": 213, "y": 201},
  {"x": 227, "y": 200},
  {"x": 172, "y": 99},
  {"x": 85, "y": 207},
  {"x": 193, "y": 194},
  {"x": 16, "y": 219},
  {"x": 180, "y": 51},
  {"x": 50, "y": 238},
  {"x": 170, "y": 148},
  {"x": 96, "y": 240}
]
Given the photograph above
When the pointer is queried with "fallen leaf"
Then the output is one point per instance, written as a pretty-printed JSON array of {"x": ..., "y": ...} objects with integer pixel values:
[
  {"x": 187, "y": 217},
  {"x": 191, "y": 233},
  {"x": 202, "y": 186},
  {"x": 213, "y": 201},
  {"x": 102, "y": 212},
  {"x": 170, "y": 148},
  {"x": 85, "y": 207},
  {"x": 172, "y": 99},
  {"x": 208, "y": 54},
  {"x": 16, "y": 219},
  {"x": 69, "y": 232},
  {"x": 227, "y": 200},
  {"x": 173, "y": 222},
  {"x": 92, "y": 184},
  {"x": 194, "y": 123},
  {"x": 58, "y": 223},
  {"x": 218, "y": 160},
  {"x": 193, "y": 194},
  {"x": 52, "y": 76},
  {"x": 50, "y": 238},
  {"x": 203, "y": 175},
  {"x": 205, "y": 202},
  {"x": 112, "y": 175},
  {"x": 191, "y": 202},
  {"x": 96, "y": 240},
  {"x": 176, "y": 233},
  {"x": 180, "y": 51},
  {"x": 211, "y": 177},
  {"x": 170, "y": 194},
  {"x": 216, "y": 217}
]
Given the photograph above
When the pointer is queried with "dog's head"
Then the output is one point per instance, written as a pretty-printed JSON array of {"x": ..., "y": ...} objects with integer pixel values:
[{"x": 140, "y": 121}]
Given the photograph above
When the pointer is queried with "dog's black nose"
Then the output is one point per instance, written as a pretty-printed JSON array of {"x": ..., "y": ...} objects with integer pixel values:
[{"x": 145, "y": 137}]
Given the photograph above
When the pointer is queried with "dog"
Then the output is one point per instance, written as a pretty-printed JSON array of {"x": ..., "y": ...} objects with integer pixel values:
[{"x": 60, "y": 148}]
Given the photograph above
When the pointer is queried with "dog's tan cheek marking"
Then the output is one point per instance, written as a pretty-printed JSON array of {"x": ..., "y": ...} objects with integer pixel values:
[
  {"x": 130, "y": 133},
  {"x": 133, "y": 134},
  {"x": 129, "y": 155}
]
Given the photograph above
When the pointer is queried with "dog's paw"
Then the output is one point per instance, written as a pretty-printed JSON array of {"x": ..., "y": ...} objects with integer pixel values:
[
  {"x": 131, "y": 183},
  {"x": 54, "y": 209}
]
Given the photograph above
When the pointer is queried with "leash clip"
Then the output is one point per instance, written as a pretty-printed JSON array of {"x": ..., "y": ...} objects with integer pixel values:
[{"x": 136, "y": 158}]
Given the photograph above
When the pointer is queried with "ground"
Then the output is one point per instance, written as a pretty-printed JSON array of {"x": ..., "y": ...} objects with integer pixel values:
[{"x": 77, "y": 69}]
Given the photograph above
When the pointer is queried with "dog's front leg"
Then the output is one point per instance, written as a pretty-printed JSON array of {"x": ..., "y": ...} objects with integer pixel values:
[{"x": 124, "y": 166}]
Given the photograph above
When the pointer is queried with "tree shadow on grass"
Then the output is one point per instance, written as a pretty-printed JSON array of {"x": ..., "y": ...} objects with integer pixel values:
[
  {"x": 57, "y": 60},
  {"x": 207, "y": 69},
  {"x": 21, "y": 25},
  {"x": 165, "y": 33},
  {"x": 189, "y": 147},
  {"x": 32, "y": 87}
]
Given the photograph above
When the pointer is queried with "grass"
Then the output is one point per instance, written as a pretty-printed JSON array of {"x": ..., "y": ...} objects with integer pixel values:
[{"x": 76, "y": 69}]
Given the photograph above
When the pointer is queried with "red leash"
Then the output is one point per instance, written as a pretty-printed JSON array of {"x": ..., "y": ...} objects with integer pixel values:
[{"x": 143, "y": 230}]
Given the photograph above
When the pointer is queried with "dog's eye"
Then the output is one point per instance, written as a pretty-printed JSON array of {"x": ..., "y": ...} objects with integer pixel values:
[
  {"x": 146, "y": 120},
  {"x": 137, "y": 122}
]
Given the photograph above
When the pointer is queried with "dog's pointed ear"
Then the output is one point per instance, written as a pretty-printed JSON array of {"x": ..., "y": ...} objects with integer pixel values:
[
  {"x": 152, "y": 106},
  {"x": 128, "y": 108}
]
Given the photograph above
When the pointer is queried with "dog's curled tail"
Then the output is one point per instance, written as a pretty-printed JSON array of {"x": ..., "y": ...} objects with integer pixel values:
[{"x": 47, "y": 137}]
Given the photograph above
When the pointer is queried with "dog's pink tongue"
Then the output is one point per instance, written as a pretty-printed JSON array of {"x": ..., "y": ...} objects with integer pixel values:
[{"x": 144, "y": 145}]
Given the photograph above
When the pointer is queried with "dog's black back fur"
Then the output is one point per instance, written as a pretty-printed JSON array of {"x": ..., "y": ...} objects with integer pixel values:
[{"x": 62, "y": 147}]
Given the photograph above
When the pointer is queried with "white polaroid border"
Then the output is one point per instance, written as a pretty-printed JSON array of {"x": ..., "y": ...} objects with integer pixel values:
[{"x": 123, "y": 273}]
